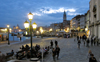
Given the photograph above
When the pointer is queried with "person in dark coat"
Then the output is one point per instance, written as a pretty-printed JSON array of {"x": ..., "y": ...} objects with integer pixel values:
[
  {"x": 51, "y": 44},
  {"x": 91, "y": 42},
  {"x": 77, "y": 38},
  {"x": 79, "y": 42},
  {"x": 80, "y": 37},
  {"x": 57, "y": 51},
  {"x": 53, "y": 54},
  {"x": 92, "y": 58},
  {"x": 56, "y": 43},
  {"x": 88, "y": 42}
]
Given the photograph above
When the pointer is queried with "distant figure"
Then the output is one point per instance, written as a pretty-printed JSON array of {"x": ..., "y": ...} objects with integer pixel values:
[
  {"x": 77, "y": 38},
  {"x": 88, "y": 42},
  {"x": 89, "y": 53},
  {"x": 57, "y": 51},
  {"x": 79, "y": 42},
  {"x": 80, "y": 37},
  {"x": 53, "y": 53},
  {"x": 51, "y": 44},
  {"x": 92, "y": 58},
  {"x": 20, "y": 38},
  {"x": 56, "y": 43},
  {"x": 91, "y": 41}
]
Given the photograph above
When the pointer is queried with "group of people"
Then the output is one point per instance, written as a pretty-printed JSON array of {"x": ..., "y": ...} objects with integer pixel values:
[
  {"x": 55, "y": 51},
  {"x": 93, "y": 40}
]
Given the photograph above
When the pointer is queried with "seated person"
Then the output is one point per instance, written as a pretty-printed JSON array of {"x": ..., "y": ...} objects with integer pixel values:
[
  {"x": 39, "y": 55},
  {"x": 28, "y": 54},
  {"x": 20, "y": 49},
  {"x": 21, "y": 56},
  {"x": 23, "y": 48},
  {"x": 12, "y": 52}
]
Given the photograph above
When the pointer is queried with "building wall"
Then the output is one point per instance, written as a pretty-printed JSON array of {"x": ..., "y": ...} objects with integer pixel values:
[{"x": 95, "y": 28}]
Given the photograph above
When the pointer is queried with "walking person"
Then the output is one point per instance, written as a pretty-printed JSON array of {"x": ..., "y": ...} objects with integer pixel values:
[
  {"x": 94, "y": 41},
  {"x": 57, "y": 51},
  {"x": 92, "y": 58},
  {"x": 80, "y": 37},
  {"x": 77, "y": 38},
  {"x": 56, "y": 43},
  {"x": 51, "y": 44},
  {"x": 79, "y": 42},
  {"x": 97, "y": 41},
  {"x": 88, "y": 42},
  {"x": 89, "y": 54},
  {"x": 53, "y": 54},
  {"x": 91, "y": 41}
]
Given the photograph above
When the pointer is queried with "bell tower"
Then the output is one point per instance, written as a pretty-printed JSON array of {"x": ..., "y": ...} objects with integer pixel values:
[{"x": 64, "y": 16}]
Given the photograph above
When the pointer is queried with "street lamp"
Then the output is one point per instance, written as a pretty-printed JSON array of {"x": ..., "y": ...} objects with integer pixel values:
[
  {"x": 8, "y": 34},
  {"x": 26, "y": 24},
  {"x": 51, "y": 31}
]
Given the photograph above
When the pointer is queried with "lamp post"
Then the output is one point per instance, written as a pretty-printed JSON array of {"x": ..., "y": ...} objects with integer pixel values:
[
  {"x": 8, "y": 34},
  {"x": 26, "y": 24}
]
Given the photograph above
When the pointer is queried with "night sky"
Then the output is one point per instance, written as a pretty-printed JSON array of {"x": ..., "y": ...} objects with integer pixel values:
[{"x": 45, "y": 12}]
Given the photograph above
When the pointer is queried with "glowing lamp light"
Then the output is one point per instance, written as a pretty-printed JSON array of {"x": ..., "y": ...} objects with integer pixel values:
[
  {"x": 86, "y": 29},
  {"x": 8, "y": 26},
  {"x": 26, "y": 24},
  {"x": 50, "y": 29},
  {"x": 34, "y": 25},
  {"x": 30, "y": 16}
]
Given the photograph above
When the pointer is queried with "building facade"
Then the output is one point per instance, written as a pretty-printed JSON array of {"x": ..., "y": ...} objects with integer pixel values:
[{"x": 95, "y": 18}]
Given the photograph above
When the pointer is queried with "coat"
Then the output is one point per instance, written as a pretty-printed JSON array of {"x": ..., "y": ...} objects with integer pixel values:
[{"x": 92, "y": 59}]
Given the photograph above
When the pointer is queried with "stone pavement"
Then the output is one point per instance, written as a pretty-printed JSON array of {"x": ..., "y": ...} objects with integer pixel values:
[{"x": 69, "y": 51}]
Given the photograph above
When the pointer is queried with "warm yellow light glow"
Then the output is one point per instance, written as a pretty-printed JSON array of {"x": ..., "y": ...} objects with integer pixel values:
[
  {"x": 34, "y": 25},
  {"x": 26, "y": 24},
  {"x": 41, "y": 30},
  {"x": 30, "y": 16},
  {"x": 26, "y": 33},
  {"x": 19, "y": 30},
  {"x": 37, "y": 32},
  {"x": 5, "y": 29},
  {"x": 10, "y": 29},
  {"x": 50, "y": 29},
  {"x": 86, "y": 29},
  {"x": 8, "y": 26}
]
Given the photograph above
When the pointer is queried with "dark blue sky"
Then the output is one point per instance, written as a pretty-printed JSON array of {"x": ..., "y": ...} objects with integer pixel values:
[{"x": 45, "y": 12}]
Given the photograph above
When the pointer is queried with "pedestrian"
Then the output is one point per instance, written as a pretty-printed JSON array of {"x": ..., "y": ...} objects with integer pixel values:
[
  {"x": 51, "y": 44},
  {"x": 89, "y": 53},
  {"x": 57, "y": 51},
  {"x": 91, "y": 41},
  {"x": 97, "y": 41},
  {"x": 79, "y": 42},
  {"x": 94, "y": 41},
  {"x": 56, "y": 43},
  {"x": 2, "y": 57},
  {"x": 77, "y": 38},
  {"x": 80, "y": 37},
  {"x": 88, "y": 42},
  {"x": 20, "y": 38},
  {"x": 53, "y": 54},
  {"x": 92, "y": 58}
]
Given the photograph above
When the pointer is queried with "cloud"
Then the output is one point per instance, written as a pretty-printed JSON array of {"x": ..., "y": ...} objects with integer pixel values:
[
  {"x": 50, "y": 10},
  {"x": 74, "y": 13},
  {"x": 38, "y": 14}
]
